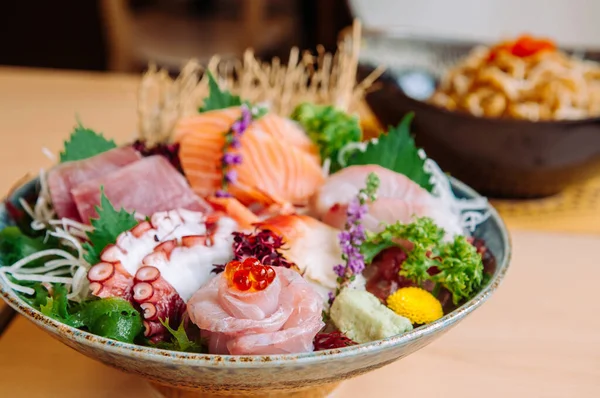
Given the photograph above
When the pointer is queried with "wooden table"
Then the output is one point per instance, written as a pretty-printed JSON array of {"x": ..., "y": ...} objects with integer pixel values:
[{"x": 537, "y": 337}]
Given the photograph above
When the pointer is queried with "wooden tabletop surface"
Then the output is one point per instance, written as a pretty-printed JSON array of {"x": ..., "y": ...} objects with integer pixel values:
[{"x": 537, "y": 337}]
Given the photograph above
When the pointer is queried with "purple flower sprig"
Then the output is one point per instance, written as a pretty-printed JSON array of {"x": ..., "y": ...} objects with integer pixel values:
[
  {"x": 353, "y": 236},
  {"x": 232, "y": 142}
]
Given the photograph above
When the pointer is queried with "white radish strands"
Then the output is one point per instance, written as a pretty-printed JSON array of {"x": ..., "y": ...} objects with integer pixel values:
[{"x": 69, "y": 232}]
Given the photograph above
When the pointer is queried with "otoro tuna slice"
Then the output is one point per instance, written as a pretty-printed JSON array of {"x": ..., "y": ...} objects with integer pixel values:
[
  {"x": 146, "y": 187},
  {"x": 67, "y": 176}
]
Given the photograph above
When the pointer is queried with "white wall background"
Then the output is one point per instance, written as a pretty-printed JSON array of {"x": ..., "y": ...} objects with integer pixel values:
[{"x": 569, "y": 22}]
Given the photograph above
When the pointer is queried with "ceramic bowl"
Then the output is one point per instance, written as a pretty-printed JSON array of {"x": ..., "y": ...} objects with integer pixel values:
[
  {"x": 308, "y": 375},
  {"x": 497, "y": 157}
]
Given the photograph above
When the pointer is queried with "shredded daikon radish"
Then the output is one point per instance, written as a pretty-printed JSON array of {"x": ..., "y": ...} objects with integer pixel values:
[
  {"x": 325, "y": 168},
  {"x": 471, "y": 212},
  {"x": 41, "y": 278},
  {"x": 70, "y": 233},
  {"x": 43, "y": 211},
  {"x": 48, "y": 153}
]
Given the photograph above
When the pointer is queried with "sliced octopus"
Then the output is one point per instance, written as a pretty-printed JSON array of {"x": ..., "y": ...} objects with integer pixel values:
[{"x": 160, "y": 263}]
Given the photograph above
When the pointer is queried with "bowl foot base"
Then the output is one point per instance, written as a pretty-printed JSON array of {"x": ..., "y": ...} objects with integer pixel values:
[{"x": 323, "y": 391}]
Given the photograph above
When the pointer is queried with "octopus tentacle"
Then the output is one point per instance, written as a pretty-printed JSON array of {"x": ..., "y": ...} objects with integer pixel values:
[
  {"x": 110, "y": 280},
  {"x": 158, "y": 300}
]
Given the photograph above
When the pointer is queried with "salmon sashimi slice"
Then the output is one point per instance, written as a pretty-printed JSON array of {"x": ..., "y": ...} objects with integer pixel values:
[
  {"x": 287, "y": 130},
  {"x": 279, "y": 162},
  {"x": 66, "y": 176}
]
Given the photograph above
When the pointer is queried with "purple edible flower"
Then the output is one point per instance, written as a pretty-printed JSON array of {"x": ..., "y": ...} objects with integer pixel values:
[
  {"x": 235, "y": 143},
  {"x": 232, "y": 158},
  {"x": 340, "y": 270},
  {"x": 354, "y": 235},
  {"x": 356, "y": 211},
  {"x": 231, "y": 176},
  {"x": 331, "y": 296},
  {"x": 239, "y": 126},
  {"x": 222, "y": 194},
  {"x": 232, "y": 141}
]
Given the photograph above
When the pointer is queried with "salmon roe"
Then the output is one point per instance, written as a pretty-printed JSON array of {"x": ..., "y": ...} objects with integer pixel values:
[{"x": 249, "y": 275}]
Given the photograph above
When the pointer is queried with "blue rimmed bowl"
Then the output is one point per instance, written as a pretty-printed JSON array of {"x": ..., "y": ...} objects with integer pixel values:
[{"x": 300, "y": 375}]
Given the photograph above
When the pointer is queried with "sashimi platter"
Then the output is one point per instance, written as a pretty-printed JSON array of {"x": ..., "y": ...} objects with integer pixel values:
[{"x": 250, "y": 215}]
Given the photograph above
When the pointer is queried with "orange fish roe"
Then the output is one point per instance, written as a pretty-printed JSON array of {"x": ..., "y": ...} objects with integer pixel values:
[{"x": 249, "y": 275}]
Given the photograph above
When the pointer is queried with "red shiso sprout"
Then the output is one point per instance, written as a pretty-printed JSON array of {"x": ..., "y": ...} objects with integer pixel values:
[
  {"x": 326, "y": 341},
  {"x": 262, "y": 245},
  {"x": 169, "y": 151}
]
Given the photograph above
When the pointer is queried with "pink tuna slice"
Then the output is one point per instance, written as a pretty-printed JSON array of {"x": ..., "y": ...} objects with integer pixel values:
[
  {"x": 68, "y": 175},
  {"x": 147, "y": 186},
  {"x": 282, "y": 319}
]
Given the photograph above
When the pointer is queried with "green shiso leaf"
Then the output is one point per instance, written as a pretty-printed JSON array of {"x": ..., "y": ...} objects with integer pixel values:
[
  {"x": 85, "y": 143},
  {"x": 396, "y": 151},
  {"x": 107, "y": 227},
  {"x": 217, "y": 98}
]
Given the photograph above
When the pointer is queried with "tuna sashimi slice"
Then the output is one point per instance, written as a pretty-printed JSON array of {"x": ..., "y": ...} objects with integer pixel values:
[
  {"x": 68, "y": 175},
  {"x": 147, "y": 186}
]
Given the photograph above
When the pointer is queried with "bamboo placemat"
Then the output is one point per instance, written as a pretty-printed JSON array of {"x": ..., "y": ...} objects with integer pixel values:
[{"x": 576, "y": 210}]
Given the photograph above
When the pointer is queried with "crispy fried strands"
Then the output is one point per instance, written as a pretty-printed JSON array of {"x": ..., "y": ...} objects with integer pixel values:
[
  {"x": 324, "y": 78},
  {"x": 545, "y": 84}
]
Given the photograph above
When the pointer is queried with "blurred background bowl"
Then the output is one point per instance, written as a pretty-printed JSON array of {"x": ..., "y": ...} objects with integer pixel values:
[{"x": 497, "y": 157}]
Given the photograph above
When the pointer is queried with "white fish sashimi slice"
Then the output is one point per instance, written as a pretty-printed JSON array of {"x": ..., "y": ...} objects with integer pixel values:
[
  {"x": 297, "y": 333},
  {"x": 290, "y": 328},
  {"x": 310, "y": 244},
  {"x": 398, "y": 199},
  {"x": 255, "y": 305},
  {"x": 343, "y": 186},
  {"x": 206, "y": 312}
]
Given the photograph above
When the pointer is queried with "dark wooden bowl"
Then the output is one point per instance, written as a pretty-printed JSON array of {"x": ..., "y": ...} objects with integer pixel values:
[{"x": 497, "y": 157}]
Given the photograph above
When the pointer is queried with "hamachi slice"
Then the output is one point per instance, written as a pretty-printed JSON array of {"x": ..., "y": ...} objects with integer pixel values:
[
  {"x": 283, "y": 318},
  {"x": 147, "y": 186},
  {"x": 279, "y": 163},
  {"x": 68, "y": 175},
  {"x": 398, "y": 199},
  {"x": 310, "y": 244}
]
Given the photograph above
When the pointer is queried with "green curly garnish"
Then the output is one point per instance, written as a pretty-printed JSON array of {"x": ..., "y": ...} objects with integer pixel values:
[
  {"x": 329, "y": 128},
  {"x": 459, "y": 267}
]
